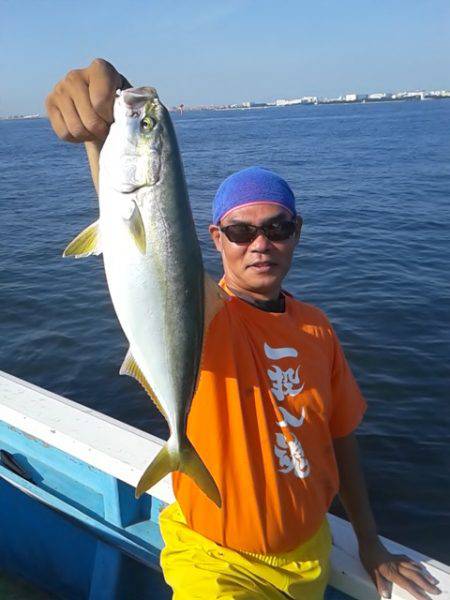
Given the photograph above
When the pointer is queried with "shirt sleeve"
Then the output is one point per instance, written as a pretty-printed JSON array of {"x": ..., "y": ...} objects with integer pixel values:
[{"x": 348, "y": 405}]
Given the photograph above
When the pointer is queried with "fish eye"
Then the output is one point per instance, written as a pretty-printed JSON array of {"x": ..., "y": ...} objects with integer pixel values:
[{"x": 147, "y": 124}]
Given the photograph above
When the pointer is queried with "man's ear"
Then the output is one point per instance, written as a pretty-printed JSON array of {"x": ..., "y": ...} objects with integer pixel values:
[{"x": 214, "y": 232}]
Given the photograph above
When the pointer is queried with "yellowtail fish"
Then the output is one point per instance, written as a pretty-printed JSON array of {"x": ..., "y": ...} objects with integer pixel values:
[{"x": 153, "y": 264}]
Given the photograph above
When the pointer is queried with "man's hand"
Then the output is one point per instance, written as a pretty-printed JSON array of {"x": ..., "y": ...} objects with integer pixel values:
[
  {"x": 80, "y": 107},
  {"x": 385, "y": 569}
]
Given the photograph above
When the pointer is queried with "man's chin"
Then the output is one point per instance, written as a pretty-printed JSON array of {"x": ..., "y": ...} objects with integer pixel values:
[{"x": 263, "y": 282}]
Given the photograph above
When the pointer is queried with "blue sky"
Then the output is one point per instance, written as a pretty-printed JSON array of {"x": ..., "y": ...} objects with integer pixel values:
[{"x": 197, "y": 51}]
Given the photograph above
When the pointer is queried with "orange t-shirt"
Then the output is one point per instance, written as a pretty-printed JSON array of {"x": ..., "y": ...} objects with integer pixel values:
[{"x": 274, "y": 390}]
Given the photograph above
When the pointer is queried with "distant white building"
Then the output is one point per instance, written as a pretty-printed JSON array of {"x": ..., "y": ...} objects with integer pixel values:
[
  {"x": 377, "y": 96},
  {"x": 420, "y": 95},
  {"x": 309, "y": 100},
  {"x": 439, "y": 93},
  {"x": 354, "y": 97},
  {"x": 284, "y": 102},
  {"x": 332, "y": 100}
]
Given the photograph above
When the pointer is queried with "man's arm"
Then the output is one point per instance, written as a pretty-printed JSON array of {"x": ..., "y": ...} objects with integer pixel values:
[
  {"x": 383, "y": 567},
  {"x": 80, "y": 107}
]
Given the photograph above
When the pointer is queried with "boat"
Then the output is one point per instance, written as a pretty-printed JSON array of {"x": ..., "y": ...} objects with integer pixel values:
[{"x": 70, "y": 524}]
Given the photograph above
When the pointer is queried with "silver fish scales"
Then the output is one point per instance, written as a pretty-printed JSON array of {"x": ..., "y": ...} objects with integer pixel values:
[{"x": 161, "y": 294}]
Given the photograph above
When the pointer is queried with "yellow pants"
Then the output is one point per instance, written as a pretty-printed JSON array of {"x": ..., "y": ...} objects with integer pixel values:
[{"x": 198, "y": 569}]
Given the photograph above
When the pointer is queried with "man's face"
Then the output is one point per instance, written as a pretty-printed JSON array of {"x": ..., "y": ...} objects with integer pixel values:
[{"x": 258, "y": 267}]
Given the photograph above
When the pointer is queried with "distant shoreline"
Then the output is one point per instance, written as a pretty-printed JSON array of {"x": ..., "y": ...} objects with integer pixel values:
[
  {"x": 321, "y": 102},
  {"x": 21, "y": 117},
  {"x": 261, "y": 105}
]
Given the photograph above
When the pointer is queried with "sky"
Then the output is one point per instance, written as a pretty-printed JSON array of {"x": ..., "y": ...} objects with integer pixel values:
[{"x": 212, "y": 52}]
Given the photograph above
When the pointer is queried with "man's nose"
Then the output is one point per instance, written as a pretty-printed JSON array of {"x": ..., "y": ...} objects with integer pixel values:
[{"x": 260, "y": 243}]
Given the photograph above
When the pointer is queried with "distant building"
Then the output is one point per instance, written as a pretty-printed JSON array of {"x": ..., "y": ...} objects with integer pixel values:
[
  {"x": 331, "y": 100},
  {"x": 309, "y": 100},
  {"x": 439, "y": 94},
  {"x": 284, "y": 102},
  {"x": 377, "y": 96},
  {"x": 354, "y": 97},
  {"x": 416, "y": 95},
  {"x": 253, "y": 104}
]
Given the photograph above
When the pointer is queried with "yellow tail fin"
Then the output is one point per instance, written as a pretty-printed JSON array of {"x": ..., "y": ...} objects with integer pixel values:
[
  {"x": 194, "y": 467},
  {"x": 186, "y": 461}
]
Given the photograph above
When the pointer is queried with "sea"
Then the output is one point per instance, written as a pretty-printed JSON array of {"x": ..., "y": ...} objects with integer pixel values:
[{"x": 372, "y": 183}]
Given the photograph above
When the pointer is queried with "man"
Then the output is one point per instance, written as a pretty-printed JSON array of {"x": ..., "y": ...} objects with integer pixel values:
[{"x": 276, "y": 406}]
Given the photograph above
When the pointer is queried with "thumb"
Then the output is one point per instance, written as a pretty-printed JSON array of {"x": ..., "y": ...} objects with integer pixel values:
[
  {"x": 103, "y": 81},
  {"x": 125, "y": 84}
]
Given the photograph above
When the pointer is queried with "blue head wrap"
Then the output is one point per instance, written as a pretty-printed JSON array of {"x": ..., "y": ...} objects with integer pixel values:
[{"x": 252, "y": 186}]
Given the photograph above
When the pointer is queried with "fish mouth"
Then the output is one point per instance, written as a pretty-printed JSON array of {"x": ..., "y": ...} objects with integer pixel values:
[{"x": 136, "y": 98}]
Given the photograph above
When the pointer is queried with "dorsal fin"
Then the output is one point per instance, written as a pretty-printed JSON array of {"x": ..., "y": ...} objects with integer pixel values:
[{"x": 131, "y": 368}]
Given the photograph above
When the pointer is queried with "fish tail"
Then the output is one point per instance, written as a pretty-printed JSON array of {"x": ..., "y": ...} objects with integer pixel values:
[
  {"x": 185, "y": 460},
  {"x": 162, "y": 464},
  {"x": 193, "y": 466}
]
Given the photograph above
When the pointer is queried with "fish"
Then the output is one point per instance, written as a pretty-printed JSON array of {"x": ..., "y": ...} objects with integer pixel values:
[{"x": 163, "y": 298}]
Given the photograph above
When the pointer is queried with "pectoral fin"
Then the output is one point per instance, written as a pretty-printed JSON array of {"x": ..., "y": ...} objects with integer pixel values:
[
  {"x": 86, "y": 243},
  {"x": 137, "y": 230}
]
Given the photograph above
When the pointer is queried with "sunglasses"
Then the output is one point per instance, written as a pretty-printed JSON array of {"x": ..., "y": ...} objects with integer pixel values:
[{"x": 242, "y": 233}]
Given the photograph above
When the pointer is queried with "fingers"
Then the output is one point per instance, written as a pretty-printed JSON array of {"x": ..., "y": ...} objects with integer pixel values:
[
  {"x": 416, "y": 591},
  {"x": 103, "y": 80},
  {"x": 407, "y": 578},
  {"x": 420, "y": 568},
  {"x": 58, "y": 123},
  {"x": 384, "y": 586},
  {"x": 70, "y": 111},
  {"x": 420, "y": 578},
  {"x": 80, "y": 107},
  {"x": 90, "y": 122},
  {"x": 72, "y": 120}
]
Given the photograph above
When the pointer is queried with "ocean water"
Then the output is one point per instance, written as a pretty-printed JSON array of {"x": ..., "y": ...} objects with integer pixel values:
[{"x": 373, "y": 187}]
